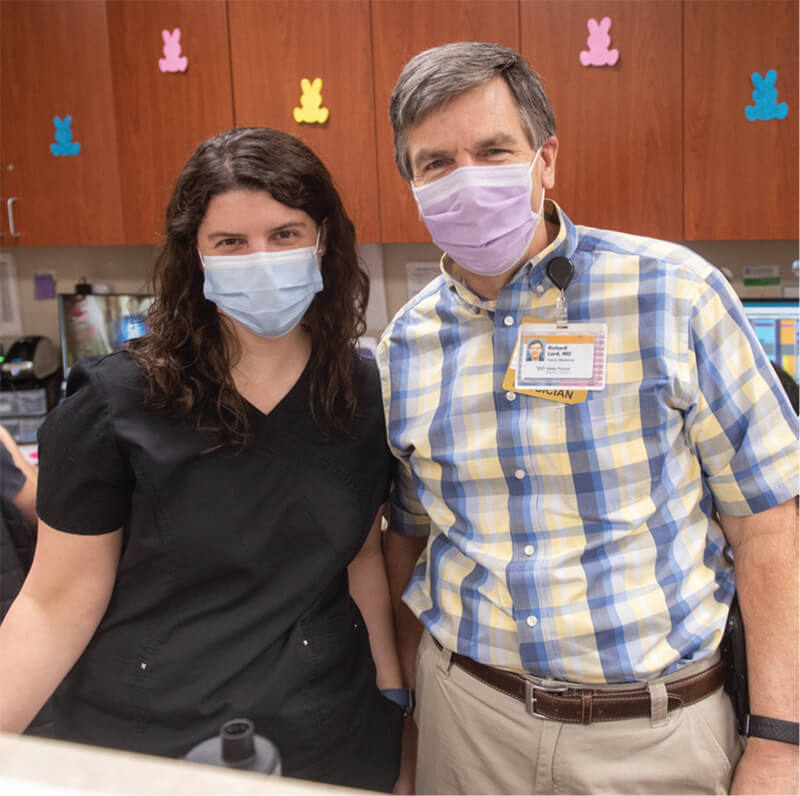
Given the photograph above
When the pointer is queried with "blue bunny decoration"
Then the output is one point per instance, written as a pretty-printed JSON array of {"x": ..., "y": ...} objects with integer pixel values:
[
  {"x": 64, "y": 144},
  {"x": 765, "y": 96}
]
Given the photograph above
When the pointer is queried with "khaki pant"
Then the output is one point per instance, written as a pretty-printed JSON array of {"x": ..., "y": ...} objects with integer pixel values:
[{"x": 475, "y": 739}]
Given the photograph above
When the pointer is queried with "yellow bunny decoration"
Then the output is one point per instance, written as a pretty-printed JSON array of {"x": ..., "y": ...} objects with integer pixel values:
[{"x": 312, "y": 111}]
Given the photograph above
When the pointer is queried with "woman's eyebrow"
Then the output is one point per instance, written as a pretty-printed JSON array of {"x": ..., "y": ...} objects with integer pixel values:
[{"x": 290, "y": 224}]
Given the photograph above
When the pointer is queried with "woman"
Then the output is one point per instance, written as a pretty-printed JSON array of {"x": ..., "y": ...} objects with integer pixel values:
[{"x": 204, "y": 494}]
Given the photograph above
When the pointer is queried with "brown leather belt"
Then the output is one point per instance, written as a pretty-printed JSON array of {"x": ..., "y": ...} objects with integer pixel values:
[{"x": 586, "y": 705}]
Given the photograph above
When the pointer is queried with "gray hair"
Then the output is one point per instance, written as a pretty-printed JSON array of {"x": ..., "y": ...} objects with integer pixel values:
[{"x": 434, "y": 77}]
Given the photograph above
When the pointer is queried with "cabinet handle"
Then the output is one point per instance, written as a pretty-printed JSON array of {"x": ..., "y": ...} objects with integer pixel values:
[{"x": 11, "y": 228}]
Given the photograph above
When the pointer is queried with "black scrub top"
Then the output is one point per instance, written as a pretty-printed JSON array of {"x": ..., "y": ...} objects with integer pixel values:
[{"x": 231, "y": 596}]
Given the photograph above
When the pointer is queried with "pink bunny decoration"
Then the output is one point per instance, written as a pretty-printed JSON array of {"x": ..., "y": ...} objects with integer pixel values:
[
  {"x": 172, "y": 61},
  {"x": 598, "y": 53}
]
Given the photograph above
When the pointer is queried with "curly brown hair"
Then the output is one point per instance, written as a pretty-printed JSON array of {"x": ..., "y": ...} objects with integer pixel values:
[{"x": 188, "y": 354}]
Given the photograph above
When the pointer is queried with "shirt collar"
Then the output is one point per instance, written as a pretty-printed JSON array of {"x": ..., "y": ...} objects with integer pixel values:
[{"x": 533, "y": 271}]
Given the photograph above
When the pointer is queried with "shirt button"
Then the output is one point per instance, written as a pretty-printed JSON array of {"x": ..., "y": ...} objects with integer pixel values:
[
  {"x": 508, "y": 320},
  {"x": 511, "y": 396},
  {"x": 519, "y": 474},
  {"x": 531, "y": 620},
  {"x": 529, "y": 552},
  {"x": 540, "y": 289}
]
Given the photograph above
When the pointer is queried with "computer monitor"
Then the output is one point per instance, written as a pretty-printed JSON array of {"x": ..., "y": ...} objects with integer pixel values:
[
  {"x": 98, "y": 323},
  {"x": 776, "y": 323}
]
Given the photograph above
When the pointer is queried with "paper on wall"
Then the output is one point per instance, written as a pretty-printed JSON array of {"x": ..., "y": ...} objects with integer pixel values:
[
  {"x": 10, "y": 316},
  {"x": 418, "y": 274},
  {"x": 760, "y": 275},
  {"x": 372, "y": 256}
]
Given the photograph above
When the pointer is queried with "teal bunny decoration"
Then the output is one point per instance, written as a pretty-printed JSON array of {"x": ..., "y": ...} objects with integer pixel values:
[
  {"x": 765, "y": 96},
  {"x": 64, "y": 144}
]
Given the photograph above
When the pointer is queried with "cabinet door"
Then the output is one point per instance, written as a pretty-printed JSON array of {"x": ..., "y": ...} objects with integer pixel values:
[
  {"x": 400, "y": 30},
  {"x": 274, "y": 46},
  {"x": 55, "y": 62},
  {"x": 162, "y": 116},
  {"x": 619, "y": 126},
  {"x": 740, "y": 175}
]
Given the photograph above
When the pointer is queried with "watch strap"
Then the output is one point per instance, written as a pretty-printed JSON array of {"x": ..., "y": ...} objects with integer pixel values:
[
  {"x": 402, "y": 696},
  {"x": 771, "y": 729}
]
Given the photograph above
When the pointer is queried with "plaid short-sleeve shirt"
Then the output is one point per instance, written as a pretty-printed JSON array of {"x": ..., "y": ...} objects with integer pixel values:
[{"x": 578, "y": 541}]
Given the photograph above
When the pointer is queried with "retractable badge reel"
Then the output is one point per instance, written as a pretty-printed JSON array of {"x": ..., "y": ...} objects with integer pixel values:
[
  {"x": 557, "y": 355},
  {"x": 560, "y": 270}
]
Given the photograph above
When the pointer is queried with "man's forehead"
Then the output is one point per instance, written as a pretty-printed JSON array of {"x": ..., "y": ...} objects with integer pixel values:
[{"x": 475, "y": 142}]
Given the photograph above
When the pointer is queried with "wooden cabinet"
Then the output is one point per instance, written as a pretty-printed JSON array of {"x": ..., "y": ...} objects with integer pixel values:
[
  {"x": 55, "y": 63},
  {"x": 657, "y": 144},
  {"x": 619, "y": 126},
  {"x": 162, "y": 116},
  {"x": 740, "y": 176},
  {"x": 400, "y": 30},
  {"x": 274, "y": 46}
]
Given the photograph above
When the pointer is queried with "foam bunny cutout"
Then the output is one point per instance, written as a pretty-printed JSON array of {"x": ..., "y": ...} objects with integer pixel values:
[
  {"x": 598, "y": 53},
  {"x": 311, "y": 111},
  {"x": 172, "y": 61},
  {"x": 765, "y": 97},
  {"x": 64, "y": 145}
]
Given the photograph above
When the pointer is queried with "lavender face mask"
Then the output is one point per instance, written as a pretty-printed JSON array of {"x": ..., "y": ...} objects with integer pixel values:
[{"x": 481, "y": 215}]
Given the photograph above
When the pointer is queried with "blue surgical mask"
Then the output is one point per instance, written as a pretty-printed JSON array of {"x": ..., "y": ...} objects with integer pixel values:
[{"x": 268, "y": 292}]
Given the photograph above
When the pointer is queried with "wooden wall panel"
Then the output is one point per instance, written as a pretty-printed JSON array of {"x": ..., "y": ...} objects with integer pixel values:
[
  {"x": 55, "y": 62},
  {"x": 740, "y": 176},
  {"x": 275, "y": 44},
  {"x": 619, "y": 127},
  {"x": 162, "y": 117},
  {"x": 400, "y": 30}
]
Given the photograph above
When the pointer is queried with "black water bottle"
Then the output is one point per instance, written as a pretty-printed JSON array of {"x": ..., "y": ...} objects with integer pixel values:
[{"x": 238, "y": 746}]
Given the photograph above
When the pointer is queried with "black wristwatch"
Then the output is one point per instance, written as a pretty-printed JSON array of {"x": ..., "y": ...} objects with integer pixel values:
[
  {"x": 771, "y": 729},
  {"x": 402, "y": 696}
]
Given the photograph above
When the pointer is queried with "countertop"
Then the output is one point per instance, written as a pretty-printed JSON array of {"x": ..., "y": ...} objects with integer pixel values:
[{"x": 42, "y": 767}]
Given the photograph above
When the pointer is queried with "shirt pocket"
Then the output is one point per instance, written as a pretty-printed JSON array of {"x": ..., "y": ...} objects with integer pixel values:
[
  {"x": 616, "y": 447},
  {"x": 102, "y": 702},
  {"x": 335, "y": 633},
  {"x": 338, "y": 670}
]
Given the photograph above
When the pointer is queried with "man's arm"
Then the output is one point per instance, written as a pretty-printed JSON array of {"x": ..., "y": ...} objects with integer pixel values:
[
  {"x": 401, "y": 554},
  {"x": 765, "y": 550}
]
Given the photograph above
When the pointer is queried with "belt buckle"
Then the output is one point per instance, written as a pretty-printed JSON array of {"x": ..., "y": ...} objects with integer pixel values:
[{"x": 530, "y": 696}]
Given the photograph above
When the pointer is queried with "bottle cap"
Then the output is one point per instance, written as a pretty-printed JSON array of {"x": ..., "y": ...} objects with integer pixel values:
[{"x": 237, "y": 746}]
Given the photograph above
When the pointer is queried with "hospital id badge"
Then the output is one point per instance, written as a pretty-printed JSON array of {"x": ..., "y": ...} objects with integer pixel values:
[{"x": 561, "y": 356}]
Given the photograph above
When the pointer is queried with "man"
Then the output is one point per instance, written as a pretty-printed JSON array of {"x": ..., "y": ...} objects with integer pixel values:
[{"x": 559, "y": 542}]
